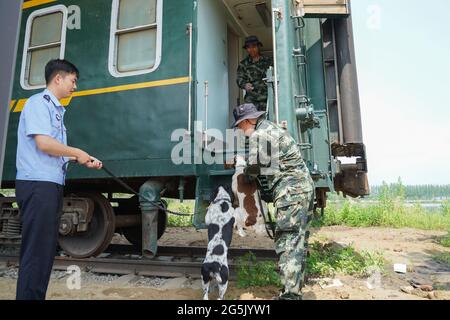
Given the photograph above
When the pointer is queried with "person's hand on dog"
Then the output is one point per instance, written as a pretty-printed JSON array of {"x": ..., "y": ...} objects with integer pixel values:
[
  {"x": 230, "y": 163},
  {"x": 252, "y": 171}
]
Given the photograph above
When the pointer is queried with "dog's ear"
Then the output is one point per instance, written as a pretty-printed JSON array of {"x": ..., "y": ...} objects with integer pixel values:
[
  {"x": 226, "y": 187},
  {"x": 229, "y": 190},
  {"x": 214, "y": 193}
]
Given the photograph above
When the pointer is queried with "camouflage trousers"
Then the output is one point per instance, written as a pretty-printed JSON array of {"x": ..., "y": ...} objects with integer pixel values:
[{"x": 291, "y": 241}]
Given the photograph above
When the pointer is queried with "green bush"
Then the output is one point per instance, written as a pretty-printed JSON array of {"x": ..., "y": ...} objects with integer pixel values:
[
  {"x": 443, "y": 258},
  {"x": 388, "y": 211},
  {"x": 330, "y": 259},
  {"x": 445, "y": 241},
  {"x": 446, "y": 208},
  {"x": 8, "y": 192},
  {"x": 186, "y": 208},
  {"x": 380, "y": 215},
  {"x": 253, "y": 273}
]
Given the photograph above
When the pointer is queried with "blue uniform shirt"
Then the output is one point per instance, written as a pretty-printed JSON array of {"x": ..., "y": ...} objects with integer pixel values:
[{"x": 42, "y": 115}]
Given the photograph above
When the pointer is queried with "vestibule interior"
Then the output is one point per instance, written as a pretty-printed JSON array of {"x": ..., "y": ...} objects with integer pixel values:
[
  {"x": 247, "y": 18},
  {"x": 223, "y": 26}
]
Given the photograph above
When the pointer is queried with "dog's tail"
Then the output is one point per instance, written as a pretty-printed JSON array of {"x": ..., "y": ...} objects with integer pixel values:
[{"x": 218, "y": 278}]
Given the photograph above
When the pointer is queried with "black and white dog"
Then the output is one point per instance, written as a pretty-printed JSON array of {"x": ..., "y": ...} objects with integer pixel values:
[{"x": 220, "y": 222}]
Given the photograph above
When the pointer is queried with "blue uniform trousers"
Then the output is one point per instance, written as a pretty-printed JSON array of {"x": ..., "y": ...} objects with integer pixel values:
[{"x": 40, "y": 205}]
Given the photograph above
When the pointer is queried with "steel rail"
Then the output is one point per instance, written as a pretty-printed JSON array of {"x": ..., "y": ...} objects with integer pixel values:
[{"x": 171, "y": 262}]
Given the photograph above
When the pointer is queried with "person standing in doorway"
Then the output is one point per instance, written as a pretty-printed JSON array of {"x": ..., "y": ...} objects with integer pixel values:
[{"x": 251, "y": 72}]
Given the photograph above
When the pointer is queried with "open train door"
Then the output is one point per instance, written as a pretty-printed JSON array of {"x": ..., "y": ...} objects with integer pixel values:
[{"x": 10, "y": 14}]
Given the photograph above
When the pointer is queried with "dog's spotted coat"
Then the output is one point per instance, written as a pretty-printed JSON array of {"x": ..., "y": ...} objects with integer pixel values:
[
  {"x": 220, "y": 222},
  {"x": 248, "y": 213}
]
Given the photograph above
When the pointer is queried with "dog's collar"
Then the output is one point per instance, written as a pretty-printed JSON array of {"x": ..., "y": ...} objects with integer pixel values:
[{"x": 221, "y": 199}]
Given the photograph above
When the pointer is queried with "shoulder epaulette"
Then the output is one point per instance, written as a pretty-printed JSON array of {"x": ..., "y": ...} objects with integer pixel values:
[{"x": 47, "y": 97}]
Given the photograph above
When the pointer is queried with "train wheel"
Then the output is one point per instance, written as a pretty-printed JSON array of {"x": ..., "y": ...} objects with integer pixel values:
[
  {"x": 99, "y": 234},
  {"x": 5, "y": 204},
  {"x": 134, "y": 234},
  {"x": 2, "y": 205}
]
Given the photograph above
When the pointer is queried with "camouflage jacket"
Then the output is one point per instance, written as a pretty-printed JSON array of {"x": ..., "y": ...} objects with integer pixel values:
[
  {"x": 254, "y": 73},
  {"x": 273, "y": 153}
]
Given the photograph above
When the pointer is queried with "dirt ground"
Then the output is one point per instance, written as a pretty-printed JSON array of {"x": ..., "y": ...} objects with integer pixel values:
[{"x": 414, "y": 248}]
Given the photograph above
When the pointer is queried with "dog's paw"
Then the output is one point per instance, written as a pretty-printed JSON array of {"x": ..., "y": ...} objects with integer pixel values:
[{"x": 242, "y": 233}]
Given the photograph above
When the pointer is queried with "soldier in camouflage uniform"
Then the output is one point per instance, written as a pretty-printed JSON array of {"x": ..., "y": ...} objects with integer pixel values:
[
  {"x": 275, "y": 154},
  {"x": 251, "y": 72}
]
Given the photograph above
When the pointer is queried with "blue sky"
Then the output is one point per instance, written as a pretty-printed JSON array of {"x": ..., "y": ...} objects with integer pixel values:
[{"x": 403, "y": 61}]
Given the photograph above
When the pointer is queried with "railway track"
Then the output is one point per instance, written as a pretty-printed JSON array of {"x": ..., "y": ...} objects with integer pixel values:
[{"x": 171, "y": 261}]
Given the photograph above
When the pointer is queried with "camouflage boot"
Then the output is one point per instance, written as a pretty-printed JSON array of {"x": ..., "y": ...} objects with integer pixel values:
[{"x": 290, "y": 296}]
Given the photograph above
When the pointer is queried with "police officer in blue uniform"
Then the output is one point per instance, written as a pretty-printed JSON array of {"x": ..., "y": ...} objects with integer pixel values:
[{"x": 42, "y": 155}]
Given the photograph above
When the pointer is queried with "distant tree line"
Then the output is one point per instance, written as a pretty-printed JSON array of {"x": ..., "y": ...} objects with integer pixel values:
[{"x": 416, "y": 192}]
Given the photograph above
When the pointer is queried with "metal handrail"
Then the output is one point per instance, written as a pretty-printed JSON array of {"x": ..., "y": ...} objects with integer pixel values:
[
  {"x": 189, "y": 130},
  {"x": 206, "y": 112},
  {"x": 275, "y": 13}
]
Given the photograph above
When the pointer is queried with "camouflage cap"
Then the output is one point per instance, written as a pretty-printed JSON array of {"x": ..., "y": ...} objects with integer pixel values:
[
  {"x": 252, "y": 40},
  {"x": 245, "y": 112}
]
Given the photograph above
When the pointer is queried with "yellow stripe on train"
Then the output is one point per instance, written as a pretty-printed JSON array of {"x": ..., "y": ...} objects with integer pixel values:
[
  {"x": 34, "y": 3},
  {"x": 11, "y": 104},
  {"x": 127, "y": 87},
  {"x": 20, "y": 105}
]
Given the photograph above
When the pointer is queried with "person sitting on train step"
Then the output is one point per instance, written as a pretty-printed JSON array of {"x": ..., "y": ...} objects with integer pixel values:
[
  {"x": 288, "y": 179},
  {"x": 42, "y": 153},
  {"x": 251, "y": 72}
]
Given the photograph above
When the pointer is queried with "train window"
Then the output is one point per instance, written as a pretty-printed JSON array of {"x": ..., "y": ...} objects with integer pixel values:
[
  {"x": 134, "y": 13},
  {"x": 44, "y": 40},
  {"x": 135, "y": 44}
]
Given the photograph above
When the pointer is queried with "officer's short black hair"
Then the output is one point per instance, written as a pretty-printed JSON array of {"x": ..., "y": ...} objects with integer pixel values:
[{"x": 57, "y": 66}]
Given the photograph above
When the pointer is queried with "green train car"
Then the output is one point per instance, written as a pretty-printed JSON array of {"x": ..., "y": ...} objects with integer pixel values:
[{"x": 150, "y": 68}]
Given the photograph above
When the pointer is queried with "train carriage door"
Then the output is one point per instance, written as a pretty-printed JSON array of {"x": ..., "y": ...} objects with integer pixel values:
[{"x": 211, "y": 66}]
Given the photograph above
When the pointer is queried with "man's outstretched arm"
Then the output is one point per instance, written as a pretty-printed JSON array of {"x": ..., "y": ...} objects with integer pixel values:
[{"x": 54, "y": 148}]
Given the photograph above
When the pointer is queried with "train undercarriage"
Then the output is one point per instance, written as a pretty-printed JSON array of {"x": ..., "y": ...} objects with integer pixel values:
[{"x": 88, "y": 223}]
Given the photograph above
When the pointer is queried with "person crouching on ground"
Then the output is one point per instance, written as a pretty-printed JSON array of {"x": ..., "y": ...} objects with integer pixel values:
[{"x": 292, "y": 191}]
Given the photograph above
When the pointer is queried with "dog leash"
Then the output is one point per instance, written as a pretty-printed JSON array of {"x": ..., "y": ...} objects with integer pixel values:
[
  {"x": 270, "y": 226},
  {"x": 153, "y": 203},
  {"x": 130, "y": 189}
]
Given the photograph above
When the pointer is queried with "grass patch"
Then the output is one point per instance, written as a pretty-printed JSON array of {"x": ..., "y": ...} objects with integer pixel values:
[
  {"x": 445, "y": 241},
  {"x": 392, "y": 214},
  {"x": 253, "y": 273},
  {"x": 8, "y": 192},
  {"x": 443, "y": 258},
  {"x": 388, "y": 210},
  {"x": 179, "y": 221},
  {"x": 187, "y": 207},
  {"x": 329, "y": 259}
]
